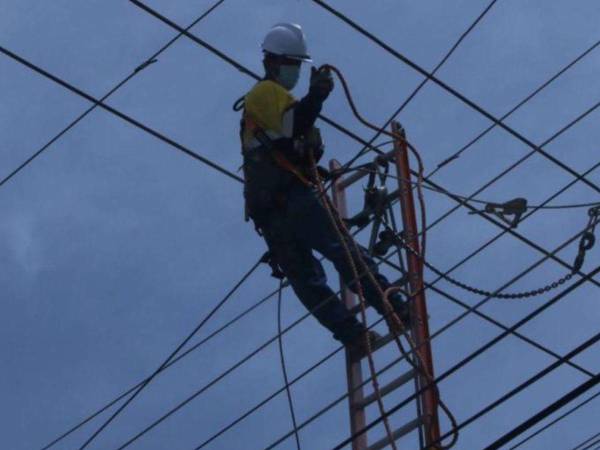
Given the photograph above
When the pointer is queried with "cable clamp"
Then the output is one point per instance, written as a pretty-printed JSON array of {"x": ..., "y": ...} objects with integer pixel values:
[
  {"x": 144, "y": 65},
  {"x": 588, "y": 239},
  {"x": 515, "y": 207}
]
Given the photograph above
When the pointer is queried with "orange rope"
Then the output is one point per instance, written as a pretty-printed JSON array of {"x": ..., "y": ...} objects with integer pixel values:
[
  {"x": 394, "y": 136},
  {"x": 394, "y": 323},
  {"x": 336, "y": 226}
]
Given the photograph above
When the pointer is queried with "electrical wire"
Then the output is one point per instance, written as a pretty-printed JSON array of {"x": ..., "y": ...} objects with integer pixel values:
[
  {"x": 414, "y": 93},
  {"x": 121, "y": 115},
  {"x": 223, "y": 374},
  {"x": 588, "y": 443},
  {"x": 522, "y": 238},
  {"x": 498, "y": 324},
  {"x": 555, "y": 421},
  {"x": 476, "y": 353},
  {"x": 174, "y": 361},
  {"x": 150, "y": 60},
  {"x": 454, "y": 92},
  {"x": 172, "y": 355},
  {"x": 243, "y": 69},
  {"x": 554, "y": 406},
  {"x": 432, "y": 337},
  {"x": 525, "y": 100},
  {"x": 489, "y": 243},
  {"x": 239, "y": 66},
  {"x": 395, "y": 324},
  {"x": 182, "y": 404},
  {"x": 477, "y": 200},
  {"x": 288, "y": 390},
  {"x": 520, "y": 161}
]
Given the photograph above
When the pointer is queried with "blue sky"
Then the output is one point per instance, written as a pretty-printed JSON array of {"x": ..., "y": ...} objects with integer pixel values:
[{"x": 114, "y": 245}]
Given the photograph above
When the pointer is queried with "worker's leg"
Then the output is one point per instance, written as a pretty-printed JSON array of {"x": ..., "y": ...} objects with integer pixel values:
[
  {"x": 308, "y": 279},
  {"x": 316, "y": 231}
]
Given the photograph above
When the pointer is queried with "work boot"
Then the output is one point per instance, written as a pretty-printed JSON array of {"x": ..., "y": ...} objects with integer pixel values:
[
  {"x": 403, "y": 311},
  {"x": 358, "y": 347}
]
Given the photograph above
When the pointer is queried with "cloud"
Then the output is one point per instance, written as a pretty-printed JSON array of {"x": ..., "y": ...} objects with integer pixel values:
[{"x": 18, "y": 231}]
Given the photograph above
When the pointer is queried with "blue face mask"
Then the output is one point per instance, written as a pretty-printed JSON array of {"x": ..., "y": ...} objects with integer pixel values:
[{"x": 288, "y": 76}]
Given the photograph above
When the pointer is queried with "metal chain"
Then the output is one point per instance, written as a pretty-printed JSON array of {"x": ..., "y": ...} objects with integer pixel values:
[{"x": 508, "y": 296}]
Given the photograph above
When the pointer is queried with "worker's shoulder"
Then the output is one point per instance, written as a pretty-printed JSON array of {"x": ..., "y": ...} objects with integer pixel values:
[{"x": 267, "y": 89}]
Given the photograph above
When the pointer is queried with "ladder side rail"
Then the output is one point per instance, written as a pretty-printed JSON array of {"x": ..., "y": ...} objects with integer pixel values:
[
  {"x": 420, "y": 331},
  {"x": 353, "y": 366}
]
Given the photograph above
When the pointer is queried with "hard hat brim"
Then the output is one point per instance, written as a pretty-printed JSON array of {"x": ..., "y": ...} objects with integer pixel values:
[
  {"x": 305, "y": 58},
  {"x": 302, "y": 58}
]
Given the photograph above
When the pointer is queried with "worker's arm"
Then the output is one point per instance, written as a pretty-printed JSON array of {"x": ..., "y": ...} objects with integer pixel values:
[
  {"x": 276, "y": 112},
  {"x": 302, "y": 116}
]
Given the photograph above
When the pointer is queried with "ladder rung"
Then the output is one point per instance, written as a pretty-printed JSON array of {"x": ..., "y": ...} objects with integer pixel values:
[
  {"x": 384, "y": 341},
  {"x": 378, "y": 344},
  {"x": 356, "y": 309},
  {"x": 393, "y": 385},
  {"x": 403, "y": 430}
]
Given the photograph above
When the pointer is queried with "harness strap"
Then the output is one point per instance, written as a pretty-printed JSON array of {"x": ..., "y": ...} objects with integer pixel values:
[{"x": 278, "y": 156}]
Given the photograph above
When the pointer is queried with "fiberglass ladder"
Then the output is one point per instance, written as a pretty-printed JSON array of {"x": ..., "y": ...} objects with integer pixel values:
[{"x": 426, "y": 422}]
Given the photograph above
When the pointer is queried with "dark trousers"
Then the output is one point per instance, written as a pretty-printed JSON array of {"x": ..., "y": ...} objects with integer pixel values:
[{"x": 292, "y": 234}]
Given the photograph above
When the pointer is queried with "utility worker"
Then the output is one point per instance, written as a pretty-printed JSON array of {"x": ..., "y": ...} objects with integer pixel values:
[{"x": 277, "y": 132}]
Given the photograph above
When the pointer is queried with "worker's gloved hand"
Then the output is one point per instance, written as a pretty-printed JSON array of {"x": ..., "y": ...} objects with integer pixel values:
[
  {"x": 324, "y": 173},
  {"x": 313, "y": 141},
  {"x": 321, "y": 83}
]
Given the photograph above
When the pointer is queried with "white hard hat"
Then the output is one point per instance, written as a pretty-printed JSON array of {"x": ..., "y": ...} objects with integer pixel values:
[{"x": 286, "y": 39}]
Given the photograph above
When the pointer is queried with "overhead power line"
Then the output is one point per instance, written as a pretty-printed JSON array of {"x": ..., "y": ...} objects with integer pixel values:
[
  {"x": 515, "y": 108},
  {"x": 588, "y": 443},
  {"x": 175, "y": 360},
  {"x": 460, "y": 202},
  {"x": 414, "y": 93},
  {"x": 286, "y": 381},
  {"x": 473, "y": 355},
  {"x": 454, "y": 322},
  {"x": 150, "y": 60},
  {"x": 479, "y": 201},
  {"x": 430, "y": 285},
  {"x": 557, "y": 420},
  {"x": 469, "y": 309},
  {"x": 239, "y": 66},
  {"x": 245, "y": 70},
  {"x": 172, "y": 355},
  {"x": 185, "y": 402},
  {"x": 452, "y": 91},
  {"x": 271, "y": 295},
  {"x": 562, "y": 401},
  {"x": 118, "y": 113}
]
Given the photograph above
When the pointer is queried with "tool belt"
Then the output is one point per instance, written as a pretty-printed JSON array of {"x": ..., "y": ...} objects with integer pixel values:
[{"x": 269, "y": 174}]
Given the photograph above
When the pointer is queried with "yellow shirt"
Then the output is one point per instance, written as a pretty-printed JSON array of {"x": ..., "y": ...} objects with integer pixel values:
[{"x": 265, "y": 107}]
